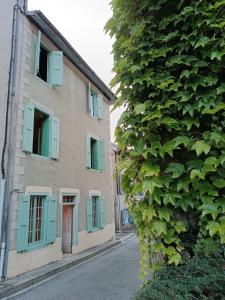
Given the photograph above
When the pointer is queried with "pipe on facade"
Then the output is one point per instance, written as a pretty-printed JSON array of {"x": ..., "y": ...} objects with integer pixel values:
[{"x": 6, "y": 165}]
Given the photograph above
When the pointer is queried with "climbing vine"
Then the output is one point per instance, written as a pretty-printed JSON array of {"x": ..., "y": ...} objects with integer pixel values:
[{"x": 169, "y": 61}]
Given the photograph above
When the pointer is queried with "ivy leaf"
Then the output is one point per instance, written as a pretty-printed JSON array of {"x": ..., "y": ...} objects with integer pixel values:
[
  {"x": 140, "y": 108},
  {"x": 150, "y": 169},
  {"x": 210, "y": 209},
  {"x": 164, "y": 213},
  {"x": 159, "y": 227},
  {"x": 176, "y": 168},
  {"x": 197, "y": 173},
  {"x": 175, "y": 259},
  {"x": 150, "y": 185},
  {"x": 217, "y": 55},
  {"x": 180, "y": 227},
  {"x": 181, "y": 140},
  {"x": 202, "y": 42},
  {"x": 215, "y": 110},
  {"x": 200, "y": 147},
  {"x": 213, "y": 227},
  {"x": 219, "y": 183},
  {"x": 168, "y": 147},
  {"x": 169, "y": 198}
]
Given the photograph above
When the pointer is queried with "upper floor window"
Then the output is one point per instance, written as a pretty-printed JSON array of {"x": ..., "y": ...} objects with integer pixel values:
[
  {"x": 95, "y": 153},
  {"x": 48, "y": 64},
  {"x": 40, "y": 132},
  {"x": 95, "y": 104}
]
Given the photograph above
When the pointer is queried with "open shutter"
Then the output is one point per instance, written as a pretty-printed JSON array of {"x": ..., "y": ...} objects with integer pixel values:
[
  {"x": 100, "y": 106},
  {"x": 51, "y": 218},
  {"x": 54, "y": 138},
  {"x": 100, "y": 155},
  {"x": 101, "y": 213},
  {"x": 89, "y": 215},
  {"x": 56, "y": 68},
  {"x": 37, "y": 52},
  {"x": 28, "y": 127},
  {"x": 88, "y": 152},
  {"x": 23, "y": 223}
]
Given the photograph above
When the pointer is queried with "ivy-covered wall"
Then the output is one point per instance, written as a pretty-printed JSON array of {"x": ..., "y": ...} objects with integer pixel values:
[{"x": 170, "y": 73}]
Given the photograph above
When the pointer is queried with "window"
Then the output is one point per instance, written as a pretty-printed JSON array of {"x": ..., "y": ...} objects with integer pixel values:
[
  {"x": 95, "y": 213},
  {"x": 95, "y": 154},
  {"x": 43, "y": 64},
  {"x": 36, "y": 221},
  {"x": 69, "y": 200},
  {"x": 48, "y": 64},
  {"x": 40, "y": 132},
  {"x": 95, "y": 104}
]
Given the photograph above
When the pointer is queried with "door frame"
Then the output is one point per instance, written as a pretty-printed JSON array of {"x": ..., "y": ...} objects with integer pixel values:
[{"x": 76, "y": 194}]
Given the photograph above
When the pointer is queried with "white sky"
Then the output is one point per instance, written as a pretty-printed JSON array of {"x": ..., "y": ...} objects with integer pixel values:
[{"x": 82, "y": 24}]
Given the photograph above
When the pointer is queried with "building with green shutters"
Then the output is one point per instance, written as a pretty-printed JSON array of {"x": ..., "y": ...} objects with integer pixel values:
[{"x": 56, "y": 181}]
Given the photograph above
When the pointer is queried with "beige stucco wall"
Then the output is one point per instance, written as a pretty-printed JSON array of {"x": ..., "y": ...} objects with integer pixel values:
[{"x": 69, "y": 104}]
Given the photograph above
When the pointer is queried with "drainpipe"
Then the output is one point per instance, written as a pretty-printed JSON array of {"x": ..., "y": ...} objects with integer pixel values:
[{"x": 8, "y": 147}]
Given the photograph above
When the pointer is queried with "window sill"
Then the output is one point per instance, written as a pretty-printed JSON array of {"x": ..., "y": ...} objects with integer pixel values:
[
  {"x": 34, "y": 247},
  {"x": 40, "y": 156},
  {"x": 44, "y": 82},
  {"x": 95, "y": 230},
  {"x": 95, "y": 170}
]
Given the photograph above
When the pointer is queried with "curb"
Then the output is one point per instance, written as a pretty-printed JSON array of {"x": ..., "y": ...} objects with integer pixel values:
[{"x": 15, "y": 288}]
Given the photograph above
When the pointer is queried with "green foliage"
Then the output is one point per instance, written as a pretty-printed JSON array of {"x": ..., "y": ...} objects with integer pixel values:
[
  {"x": 199, "y": 278},
  {"x": 170, "y": 74}
]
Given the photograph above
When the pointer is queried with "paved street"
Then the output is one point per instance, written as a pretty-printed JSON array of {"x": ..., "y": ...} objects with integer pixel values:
[{"x": 110, "y": 276}]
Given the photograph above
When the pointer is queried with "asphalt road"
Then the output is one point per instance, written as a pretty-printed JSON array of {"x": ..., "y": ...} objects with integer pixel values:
[{"x": 110, "y": 276}]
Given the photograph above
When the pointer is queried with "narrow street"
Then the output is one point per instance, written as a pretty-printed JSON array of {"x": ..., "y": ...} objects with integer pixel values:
[{"x": 110, "y": 276}]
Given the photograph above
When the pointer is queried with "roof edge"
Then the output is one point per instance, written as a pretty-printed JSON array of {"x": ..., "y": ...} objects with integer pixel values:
[{"x": 40, "y": 20}]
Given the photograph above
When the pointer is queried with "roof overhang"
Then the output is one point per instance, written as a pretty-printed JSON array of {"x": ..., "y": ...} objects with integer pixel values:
[{"x": 39, "y": 19}]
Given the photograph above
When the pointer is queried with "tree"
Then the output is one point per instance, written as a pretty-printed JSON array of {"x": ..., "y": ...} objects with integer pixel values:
[{"x": 169, "y": 61}]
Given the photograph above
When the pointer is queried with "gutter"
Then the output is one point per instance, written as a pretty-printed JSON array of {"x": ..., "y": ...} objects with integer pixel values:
[{"x": 39, "y": 19}]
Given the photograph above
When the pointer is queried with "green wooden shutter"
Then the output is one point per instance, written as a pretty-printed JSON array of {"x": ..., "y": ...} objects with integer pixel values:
[
  {"x": 23, "y": 223},
  {"x": 51, "y": 218},
  {"x": 56, "y": 68},
  {"x": 88, "y": 152},
  {"x": 54, "y": 138},
  {"x": 89, "y": 215},
  {"x": 101, "y": 213},
  {"x": 100, "y": 155},
  {"x": 28, "y": 127},
  {"x": 100, "y": 106},
  {"x": 37, "y": 52}
]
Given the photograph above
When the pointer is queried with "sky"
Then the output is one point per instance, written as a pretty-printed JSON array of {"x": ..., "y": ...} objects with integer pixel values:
[{"x": 82, "y": 24}]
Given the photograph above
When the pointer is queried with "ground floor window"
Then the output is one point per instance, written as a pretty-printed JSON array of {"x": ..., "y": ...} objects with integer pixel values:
[
  {"x": 35, "y": 219},
  {"x": 95, "y": 213}
]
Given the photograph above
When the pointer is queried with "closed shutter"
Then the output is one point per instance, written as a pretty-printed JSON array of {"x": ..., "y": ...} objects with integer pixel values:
[
  {"x": 37, "y": 52},
  {"x": 28, "y": 127},
  {"x": 100, "y": 155},
  {"x": 51, "y": 218},
  {"x": 100, "y": 107},
  {"x": 88, "y": 152},
  {"x": 89, "y": 215},
  {"x": 56, "y": 68},
  {"x": 23, "y": 223},
  {"x": 54, "y": 138},
  {"x": 101, "y": 213}
]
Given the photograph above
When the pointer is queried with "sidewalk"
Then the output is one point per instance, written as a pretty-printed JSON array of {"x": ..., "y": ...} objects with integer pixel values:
[{"x": 14, "y": 285}]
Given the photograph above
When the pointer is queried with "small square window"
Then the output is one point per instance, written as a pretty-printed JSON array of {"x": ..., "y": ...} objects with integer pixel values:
[{"x": 41, "y": 133}]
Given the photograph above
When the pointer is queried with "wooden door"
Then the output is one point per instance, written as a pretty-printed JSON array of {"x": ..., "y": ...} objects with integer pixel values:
[{"x": 67, "y": 228}]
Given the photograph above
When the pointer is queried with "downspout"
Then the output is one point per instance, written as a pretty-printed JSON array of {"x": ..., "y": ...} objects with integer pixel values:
[{"x": 9, "y": 143}]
